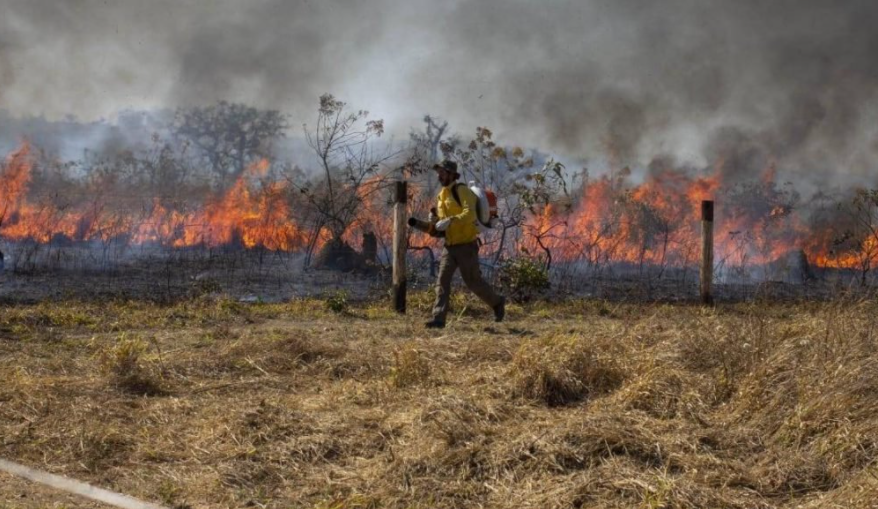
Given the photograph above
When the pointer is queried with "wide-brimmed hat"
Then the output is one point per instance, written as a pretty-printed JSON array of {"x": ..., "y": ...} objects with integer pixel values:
[{"x": 447, "y": 165}]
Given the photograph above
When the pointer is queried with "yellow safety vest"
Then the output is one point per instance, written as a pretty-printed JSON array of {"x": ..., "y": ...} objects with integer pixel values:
[{"x": 462, "y": 229}]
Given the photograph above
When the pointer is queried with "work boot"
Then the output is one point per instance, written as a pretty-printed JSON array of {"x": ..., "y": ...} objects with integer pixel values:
[
  {"x": 435, "y": 324},
  {"x": 500, "y": 310}
]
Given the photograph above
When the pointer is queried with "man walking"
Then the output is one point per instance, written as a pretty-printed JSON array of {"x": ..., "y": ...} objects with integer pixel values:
[{"x": 457, "y": 218}]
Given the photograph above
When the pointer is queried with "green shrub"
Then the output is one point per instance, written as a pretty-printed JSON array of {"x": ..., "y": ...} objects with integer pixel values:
[
  {"x": 337, "y": 302},
  {"x": 523, "y": 278}
]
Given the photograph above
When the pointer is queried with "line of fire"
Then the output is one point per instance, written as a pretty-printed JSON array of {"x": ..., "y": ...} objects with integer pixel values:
[{"x": 572, "y": 224}]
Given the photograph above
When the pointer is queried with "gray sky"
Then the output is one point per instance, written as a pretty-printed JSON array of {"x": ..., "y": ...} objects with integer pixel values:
[{"x": 745, "y": 82}]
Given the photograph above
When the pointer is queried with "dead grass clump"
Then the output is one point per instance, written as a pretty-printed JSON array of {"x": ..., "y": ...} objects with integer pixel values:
[
  {"x": 453, "y": 477},
  {"x": 620, "y": 483},
  {"x": 488, "y": 349},
  {"x": 253, "y": 474},
  {"x": 278, "y": 351},
  {"x": 458, "y": 421},
  {"x": 562, "y": 370},
  {"x": 101, "y": 447},
  {"x": 410, "y": 367},
  {"x": 860, "y": 492},
  {"x": 795, "y": 472},
  {"x": 307, "y": 350},
  {"x": 604, "y": 436},
  {"x": 318, "y": 447},
  {"x": 353, "y": 502},
  {"x": 666, "y": 392},
  {"x": 419, "y": 484},
  {"x": 293, "y": 441},
  {"x": 268, "y": 422},
  {"x": 220, "y": 332},
  {"x": 128, "y": 371},
  {"x": 728, "y": 348},
  {"x": 267, "y": 444},
  {"x": 607, "y": 458},
  {"x": 297, "y": 351}
]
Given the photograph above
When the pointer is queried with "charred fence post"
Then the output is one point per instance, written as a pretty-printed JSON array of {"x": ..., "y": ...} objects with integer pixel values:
[
  {"x": 706, "y": 251},
  {"x": 399, "y": 246}
]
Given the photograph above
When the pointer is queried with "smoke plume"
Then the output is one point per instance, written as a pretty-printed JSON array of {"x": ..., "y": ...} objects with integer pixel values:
[{"x": 742, "y": 84}]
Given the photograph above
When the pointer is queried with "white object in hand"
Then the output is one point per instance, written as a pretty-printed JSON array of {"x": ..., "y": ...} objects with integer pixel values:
[{"x": 442, "y": 224}]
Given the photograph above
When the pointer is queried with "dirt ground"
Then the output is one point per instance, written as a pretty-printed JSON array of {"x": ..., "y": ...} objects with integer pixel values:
[{"x": 214, "y": 403}]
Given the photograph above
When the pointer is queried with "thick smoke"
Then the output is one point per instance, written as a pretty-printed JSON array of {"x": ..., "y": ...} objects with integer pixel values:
[{"x": 743, "y": 84}]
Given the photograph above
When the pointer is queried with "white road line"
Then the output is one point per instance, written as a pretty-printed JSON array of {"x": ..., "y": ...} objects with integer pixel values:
[{"x": 77, "y": 488}]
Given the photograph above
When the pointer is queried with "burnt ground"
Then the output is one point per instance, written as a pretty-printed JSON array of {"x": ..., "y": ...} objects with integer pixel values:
[
  {"x": 162, "y": 278},
  {"x": 252, "y": 276}
]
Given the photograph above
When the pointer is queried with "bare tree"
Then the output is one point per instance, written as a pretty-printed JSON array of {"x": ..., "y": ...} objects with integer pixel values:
[
  {"x": 431, "y": 137},
  {"x": 229, "y": 135},
  {"x": 426, "y": 147},
  {"x": 343, "y": 141}
]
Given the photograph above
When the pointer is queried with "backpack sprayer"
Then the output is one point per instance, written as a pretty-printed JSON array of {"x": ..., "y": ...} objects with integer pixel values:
[{"x": 486, "y": 211}]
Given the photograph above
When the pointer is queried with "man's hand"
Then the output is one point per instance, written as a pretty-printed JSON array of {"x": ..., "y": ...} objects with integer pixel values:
[{"x": 442, "y": 224}]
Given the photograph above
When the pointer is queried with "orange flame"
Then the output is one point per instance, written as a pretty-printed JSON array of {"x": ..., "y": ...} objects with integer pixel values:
[
  {"x": 656, "y": 222},
  {"x": 254, "y": 216}
]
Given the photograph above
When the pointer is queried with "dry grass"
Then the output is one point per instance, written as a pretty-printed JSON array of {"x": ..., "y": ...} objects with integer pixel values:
[
  {"x": 127, "y": 370},
  {"x": 410, "y": 367},
  {"x": 575, "y": 404},
  {"x": 567, "y": 369}
]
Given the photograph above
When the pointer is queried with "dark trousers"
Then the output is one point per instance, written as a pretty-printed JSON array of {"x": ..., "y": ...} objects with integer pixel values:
[{"x": 466, "y": 258}]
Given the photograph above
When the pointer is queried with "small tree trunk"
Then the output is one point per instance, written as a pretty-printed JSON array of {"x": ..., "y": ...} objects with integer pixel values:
[
  {"x": 547, "y": 251},
  {"x": 312, "y": 243},
  {"x": 502, "y": 244}
]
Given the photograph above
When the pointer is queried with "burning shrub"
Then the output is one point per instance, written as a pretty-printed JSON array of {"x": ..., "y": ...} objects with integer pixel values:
[
  {"x": 524, "y": 278},
  {"x": 343, "y": 141},
  {"x": 563, "y": 370}
]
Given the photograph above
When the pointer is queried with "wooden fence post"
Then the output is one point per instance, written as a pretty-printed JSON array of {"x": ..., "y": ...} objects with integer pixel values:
[
  {"x": 399, "y": 246},
  {"x": 706, "y": 251}
]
